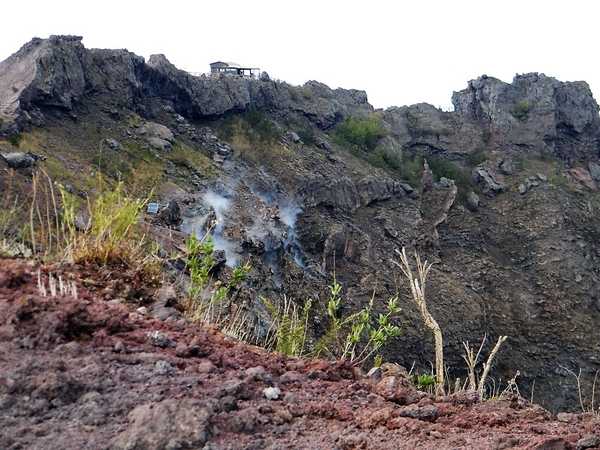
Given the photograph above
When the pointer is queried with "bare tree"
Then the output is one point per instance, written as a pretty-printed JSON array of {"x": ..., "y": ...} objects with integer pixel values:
[{"x": 417, "y": 287}]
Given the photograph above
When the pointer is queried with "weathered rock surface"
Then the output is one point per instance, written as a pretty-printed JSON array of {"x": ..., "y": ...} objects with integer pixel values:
[{"x": 60, "y": 72}]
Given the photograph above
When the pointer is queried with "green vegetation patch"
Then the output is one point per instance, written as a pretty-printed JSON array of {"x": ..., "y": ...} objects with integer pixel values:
[
  {"x": 521, "y": 109},
  {"x": 363, "y": 132}
]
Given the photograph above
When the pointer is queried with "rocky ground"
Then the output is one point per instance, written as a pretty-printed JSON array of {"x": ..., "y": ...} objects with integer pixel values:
[{"x": 77, "y": 371}]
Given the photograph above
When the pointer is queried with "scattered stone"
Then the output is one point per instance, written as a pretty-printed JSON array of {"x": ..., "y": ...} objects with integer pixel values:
[
  {"x": 473, "y": 200},
  {"x": 119, "y": 347},
  {"x": 170, "y": 215},
  {"x": 291, "y": 377},
  {"x": 272, "y": 393},
  {"x": 322, "y": 144},
  {"x": 112, "y": 144},
  {"x": 506, "y": 167},
  {"x": 466, "y": 397},
  {"x": 257, "y": 373},
  {"x": 491, "y": 182},
  {"x": 17, "y": 160},
  {"x": 236, "y": 388},
  {"x": 375, "y": 373},
  {"x": 159, "y": 339},
  {"x": 71, "y": 349},
  {"x": 142, "y": 310},
  {"x": 594, "y": 169},
  {"x": 290, "y": 135},
  {"x": 427, "y": 413},
  {"x": 591, "y": 441},
  {"x": 163, "y": 368}
]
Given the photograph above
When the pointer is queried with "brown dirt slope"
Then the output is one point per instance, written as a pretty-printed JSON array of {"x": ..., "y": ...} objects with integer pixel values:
[{"x": 79, "y": 372}]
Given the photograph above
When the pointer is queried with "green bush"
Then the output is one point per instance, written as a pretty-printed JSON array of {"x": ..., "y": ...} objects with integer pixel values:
[
  {"x": 424, "y": 382},
  {"x": 307, "y": 134},
  {"x": 486, "y": 136},
  {"x": 111, "y": 235},
  {"x": 521, "y": 109},
  {"x": 15, "y": 139},
  {"x": 475, "y": 158},
  {"x": 452, "y": 171},
  {"x": 253, "y": 125},
  {"x": 411, "y": 170},
  {"x": 204, "y": 292},
  {"x": 363, "y": 132},
  {"x": 259, "y": 128},
  {"x": 386, "y": 158}
]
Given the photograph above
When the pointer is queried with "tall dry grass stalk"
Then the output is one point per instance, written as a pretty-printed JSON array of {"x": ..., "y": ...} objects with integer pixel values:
[{"x": 488, "y": 365}]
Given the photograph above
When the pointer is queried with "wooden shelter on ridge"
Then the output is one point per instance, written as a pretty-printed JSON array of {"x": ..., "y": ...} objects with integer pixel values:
[{"x": 234, "y": 68}]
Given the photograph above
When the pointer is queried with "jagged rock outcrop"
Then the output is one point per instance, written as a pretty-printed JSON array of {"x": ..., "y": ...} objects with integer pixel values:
[
  {"x": 61, "y": 72},
  {"x": 535, "y": 111}
]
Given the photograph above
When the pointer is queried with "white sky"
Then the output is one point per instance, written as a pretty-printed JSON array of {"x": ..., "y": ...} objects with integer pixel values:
[{"x": 400, "y": 52}]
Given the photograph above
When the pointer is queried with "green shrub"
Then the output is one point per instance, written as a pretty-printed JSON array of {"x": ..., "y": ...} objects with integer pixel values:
[
  {"x": 475, "y": 158},
  {"x": 386, "y": 158},
  {"x": 364, "y": 334},
  {"x": 416, "y": 129},
  {"x": 363, "y": 132},
  {"x": 411, "y": 170},
  {"x": 111, "y": 236},
  {"x": 307, "y": 134},
  {"x": 452, "y": 171},
  {"x": 486, "y": 136},
  {"x": 521, "y": 109},
  {"x": 204, "y": 293},
  {"x": 15, "y": 139},
  {"x": 253, "y": 126}
]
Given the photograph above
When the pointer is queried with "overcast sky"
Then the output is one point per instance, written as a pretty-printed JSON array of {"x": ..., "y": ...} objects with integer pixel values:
[{"x": 400, "y": 52}]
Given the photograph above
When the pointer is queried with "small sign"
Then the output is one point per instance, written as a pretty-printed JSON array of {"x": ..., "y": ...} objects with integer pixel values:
[{"x": 152, "y": 208}]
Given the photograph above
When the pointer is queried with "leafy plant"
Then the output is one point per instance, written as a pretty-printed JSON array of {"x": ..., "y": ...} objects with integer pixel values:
[
  {"x": 290, "y": 325},
  {"x": 386, "y": 158},
  {"x": 204, "y": 292},
  {"x": 364, "y": 334},
  {"x": 252, "y": 133},
  {"x": 258, "y": 127},
  {"x": 411, "y": 170},
  {"x": 424, "y": 382},
  {"x": 11, "y": 207}
]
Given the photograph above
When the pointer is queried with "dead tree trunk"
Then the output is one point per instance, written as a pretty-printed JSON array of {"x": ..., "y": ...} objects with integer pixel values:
[{"x": 417, "y": 287}]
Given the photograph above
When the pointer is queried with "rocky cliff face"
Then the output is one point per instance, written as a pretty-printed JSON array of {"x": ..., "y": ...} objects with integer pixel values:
[{"x": 516, "y": 255}]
